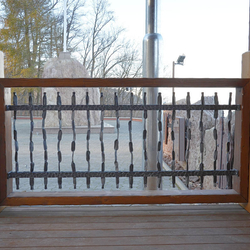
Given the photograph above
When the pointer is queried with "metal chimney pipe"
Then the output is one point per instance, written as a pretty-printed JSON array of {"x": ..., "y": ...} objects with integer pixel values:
[{"x": 151, "y": 48}]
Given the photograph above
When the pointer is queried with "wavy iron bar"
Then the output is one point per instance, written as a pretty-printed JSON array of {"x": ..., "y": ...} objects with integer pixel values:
[
  {"x": 159, "y": 161},
  {"x": 131, "y": 167},
  {"x": 215, "y": 135},
  {"x": 45, "y": 140},
  {"x": 87, "y": 140},
  {"x": 59, "y": 138},
  {"x": 144, "y": 138},
  {"x": 73, "y": 143},
  {"x": 201, "y": 128},
  {"x": 188, "y": 135},
  {"x": 15, "y": 139},
  {"x": 102, "y": 142},
  {"x": 116, "y": 142},
  {"x": 31, "y": 148}
]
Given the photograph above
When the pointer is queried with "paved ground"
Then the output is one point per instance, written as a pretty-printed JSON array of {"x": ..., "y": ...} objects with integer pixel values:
[{"x": 23, "y": 127}]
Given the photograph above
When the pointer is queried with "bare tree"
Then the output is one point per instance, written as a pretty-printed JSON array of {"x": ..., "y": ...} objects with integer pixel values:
[{"x": 105, "y": 51}]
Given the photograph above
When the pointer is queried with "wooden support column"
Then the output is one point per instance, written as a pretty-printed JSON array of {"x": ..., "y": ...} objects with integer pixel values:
[
  {"x": 5, "y": 137},
  {"x": 244, "y": 172},
  {"x": 237, "y": 139},
  {"x": 245, "y": 167}
]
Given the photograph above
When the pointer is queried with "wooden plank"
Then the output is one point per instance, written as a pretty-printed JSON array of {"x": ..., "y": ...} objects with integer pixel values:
[
  {"x": 172, "y": 232},
  {"x": 121, "y": 226},
  {"x": 124, "y": 82},
  {"x": 144, "y": 247},
  {"x": 119, "y": 213},
  {"x": 124, "y": 197},
  {"x": 117, "y": 219},
  {"x": 124, "y": 211},
  {"x": 244, "y": 186},
  {"x": 22, "y": 234},
  {"x": 127, "y": 241}
]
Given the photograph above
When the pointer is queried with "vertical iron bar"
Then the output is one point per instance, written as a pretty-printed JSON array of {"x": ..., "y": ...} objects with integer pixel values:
[
  {"x": 73, "y": 143},
  {"x": 144, "y": 136},
  {"x": 15, "y": 139},
  {"x": 159, "y": 150},
  {"x": 59, "y": 154},
  {"x": 101, "y": 140},
  {"x": 221, "y": 149},
  {"x": 188, "y": 136},
  {"x": 229, "y": 137},
  {"x": 215, "y": 134},
  {"x": 173, "y": 137},
  {"x": 45, "y": 139},
  {"x": 88, "y": 138},
  {"x": 32, "y": 165},
  {"x": 116, "y": 142},
  {"x": 201, "y": 127},
  {"x": 131, "y": 167}
]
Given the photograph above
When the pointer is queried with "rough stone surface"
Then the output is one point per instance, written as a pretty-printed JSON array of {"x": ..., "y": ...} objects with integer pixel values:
[
  {"x": 67, "y": 67},
  {"x": 209, "y": 142}
]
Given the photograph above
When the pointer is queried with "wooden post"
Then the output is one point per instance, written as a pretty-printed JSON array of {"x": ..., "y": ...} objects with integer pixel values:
[
  {"x": 244, "y": 187},
  {"x": 5, "y": 146},
  {"x": 3, "y": 182},
  {"x": 237, "y": 139},
  {"x": 8, "y": 139},
  {"x": 5, "y": 138},
  {"x": 245, "y": 182}
]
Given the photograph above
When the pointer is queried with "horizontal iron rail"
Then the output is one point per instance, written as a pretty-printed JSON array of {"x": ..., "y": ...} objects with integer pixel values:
[
  {"x": 122, "y": 107},
  {"x": 55, "y": 174}
]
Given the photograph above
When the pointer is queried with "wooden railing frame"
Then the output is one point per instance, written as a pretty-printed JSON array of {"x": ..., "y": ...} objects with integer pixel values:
[{"x": 7, "y": 197}]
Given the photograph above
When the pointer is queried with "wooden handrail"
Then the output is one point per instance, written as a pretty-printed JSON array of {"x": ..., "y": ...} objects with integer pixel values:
[{"x": 124, "y": 82}]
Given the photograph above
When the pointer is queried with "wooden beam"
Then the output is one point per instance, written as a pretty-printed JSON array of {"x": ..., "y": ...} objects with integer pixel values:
[
  {"x": 3, "y": 173},
  {"x": 123, "y": 197},
  {"x": 8, "y": 139},
  {"x": 244, "y": 171},
  {"x": 124, "y": 82},
  {"x": 245, "y": 152},
  {"x": 237, "y": 139}
]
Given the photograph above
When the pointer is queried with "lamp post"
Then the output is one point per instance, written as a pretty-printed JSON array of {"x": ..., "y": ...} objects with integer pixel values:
[{"x": 180, "y": 61}]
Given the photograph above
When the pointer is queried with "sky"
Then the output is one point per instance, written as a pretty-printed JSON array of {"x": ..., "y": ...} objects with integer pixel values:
[{"x": 213, "y": 34}]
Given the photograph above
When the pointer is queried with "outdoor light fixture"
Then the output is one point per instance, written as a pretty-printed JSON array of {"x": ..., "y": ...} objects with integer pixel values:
[{"x": 180, "y": 61}]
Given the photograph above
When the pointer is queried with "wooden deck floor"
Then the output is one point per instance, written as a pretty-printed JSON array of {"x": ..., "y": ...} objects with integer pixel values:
[{"x": 126, "y": 227}]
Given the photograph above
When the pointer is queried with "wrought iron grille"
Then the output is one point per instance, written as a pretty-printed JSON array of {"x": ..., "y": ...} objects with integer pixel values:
[{"x": 116, "y": 173}]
